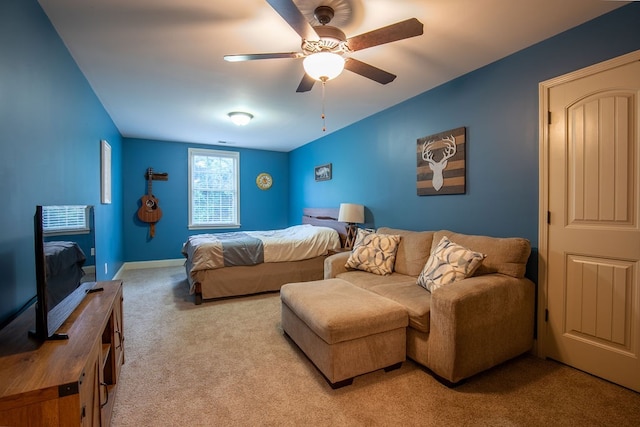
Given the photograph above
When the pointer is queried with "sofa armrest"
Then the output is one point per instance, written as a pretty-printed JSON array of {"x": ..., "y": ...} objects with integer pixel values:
[
  {"x": 479, "y": 322},
  {"x": 334, "y": 264}
]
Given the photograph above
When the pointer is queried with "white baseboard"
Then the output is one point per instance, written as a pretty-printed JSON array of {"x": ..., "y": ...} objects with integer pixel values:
[
  {"x": 139, "y": 265},
  {"x": 118, "y": 273}
]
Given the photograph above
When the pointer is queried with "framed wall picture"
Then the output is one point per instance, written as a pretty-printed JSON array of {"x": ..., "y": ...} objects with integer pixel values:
[
  {"x": 442, "y": 163},
  {"x": 323, "y": 172},
  {"x": 105, "y": 172}
]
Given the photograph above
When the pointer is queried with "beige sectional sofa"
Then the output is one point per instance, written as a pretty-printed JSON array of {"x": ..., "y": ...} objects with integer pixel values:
[{"x": 465, "y": 327}]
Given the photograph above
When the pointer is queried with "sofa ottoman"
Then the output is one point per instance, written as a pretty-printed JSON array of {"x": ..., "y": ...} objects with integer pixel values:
[{"x": 344, "y": 330}]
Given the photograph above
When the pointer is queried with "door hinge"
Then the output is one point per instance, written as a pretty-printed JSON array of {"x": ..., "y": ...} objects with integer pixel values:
[
  {"x": 546, "y": 315},
  {"x": 548, "y": 217},
  {"x": 548, "y": 117}
]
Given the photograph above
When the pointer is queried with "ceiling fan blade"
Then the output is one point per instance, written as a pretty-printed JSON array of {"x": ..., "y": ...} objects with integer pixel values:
[
  {"x": 252, "y": 56},
  {"x": 306, "y": 83},
  {"x": 369, "y": 71},
  {"x": 391, "y": 33},
  {"x": 290, "y": 13}
]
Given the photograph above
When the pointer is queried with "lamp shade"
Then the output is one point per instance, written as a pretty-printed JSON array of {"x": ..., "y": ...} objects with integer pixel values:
[
  {"x": 351, "y": 213},
  {"x": 323, "y": 66}
]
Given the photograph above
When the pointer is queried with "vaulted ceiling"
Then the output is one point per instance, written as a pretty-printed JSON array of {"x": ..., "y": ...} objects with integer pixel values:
[{"x": 157, "y": 65}]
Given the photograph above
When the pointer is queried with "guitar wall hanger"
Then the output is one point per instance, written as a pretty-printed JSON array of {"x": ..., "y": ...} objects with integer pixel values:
[
  {"x": 149, "y": 210},
  {"x": 156, "y": 176}
]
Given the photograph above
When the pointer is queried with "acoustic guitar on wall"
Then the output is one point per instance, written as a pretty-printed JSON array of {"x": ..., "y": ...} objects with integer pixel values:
[{"x": 149, "y": 210}]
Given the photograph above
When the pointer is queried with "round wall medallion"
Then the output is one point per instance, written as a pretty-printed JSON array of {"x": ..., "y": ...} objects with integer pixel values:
[{"x": 264, "y": 181}]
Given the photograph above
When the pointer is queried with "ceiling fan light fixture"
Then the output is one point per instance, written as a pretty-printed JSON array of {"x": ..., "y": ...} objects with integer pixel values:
[
  {"x": 323, "y": 66},
  {"x": 240, "y": 118}
]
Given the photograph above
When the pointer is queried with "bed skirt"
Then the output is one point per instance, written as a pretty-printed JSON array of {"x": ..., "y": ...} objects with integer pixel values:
[{"x": 252, "y": 279}]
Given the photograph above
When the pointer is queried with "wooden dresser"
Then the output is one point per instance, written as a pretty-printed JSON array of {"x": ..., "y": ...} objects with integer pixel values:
[{"x": 66, "y": 382}]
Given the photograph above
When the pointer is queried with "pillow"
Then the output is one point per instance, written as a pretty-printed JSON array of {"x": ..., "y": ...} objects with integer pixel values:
[
  {"x": 505, "y": 255},
  {"x": 448, "y": 263},
  {"x": 373, "y": 252}
]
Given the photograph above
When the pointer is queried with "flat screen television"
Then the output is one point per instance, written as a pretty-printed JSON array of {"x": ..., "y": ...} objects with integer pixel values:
[{"x": 63, "y": 236}]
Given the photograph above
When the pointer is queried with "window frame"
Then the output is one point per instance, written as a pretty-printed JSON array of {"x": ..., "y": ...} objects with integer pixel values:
[{"x": 233, "y": 155}]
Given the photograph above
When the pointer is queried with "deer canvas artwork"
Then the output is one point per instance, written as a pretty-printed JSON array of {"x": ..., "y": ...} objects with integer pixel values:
[{"x": 441, "y": 163}]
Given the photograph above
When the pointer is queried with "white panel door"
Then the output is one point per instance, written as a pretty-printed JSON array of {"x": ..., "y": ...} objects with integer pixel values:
[{"x": 593, "y": 291}]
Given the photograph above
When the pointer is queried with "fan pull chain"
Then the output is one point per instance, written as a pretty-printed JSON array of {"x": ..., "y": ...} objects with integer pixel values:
[{"x": 324, "y": 121}]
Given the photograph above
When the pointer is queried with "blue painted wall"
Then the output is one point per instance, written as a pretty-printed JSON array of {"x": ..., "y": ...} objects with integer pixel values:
[
  {"x": 259, "y": 209},
  {"x": 51, "y": 124},
  {"x": 374, "y": 160}
]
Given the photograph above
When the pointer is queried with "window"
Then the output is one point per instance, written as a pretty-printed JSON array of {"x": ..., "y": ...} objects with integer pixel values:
[
  {"x": 214, "y": 189},
  {"x": 65, "y": 219}
]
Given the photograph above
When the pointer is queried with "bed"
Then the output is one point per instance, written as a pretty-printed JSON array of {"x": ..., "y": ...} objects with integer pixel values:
[
  {"x": 64, "y": 261},
  {"x": 243, "y": 263}
]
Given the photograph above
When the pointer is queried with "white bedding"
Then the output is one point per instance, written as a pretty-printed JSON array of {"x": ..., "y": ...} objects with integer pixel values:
[{"x": 297, "y": 242}]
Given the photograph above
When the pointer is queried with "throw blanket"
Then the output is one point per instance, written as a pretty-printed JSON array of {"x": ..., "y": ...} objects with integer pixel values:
[
  {"x": 209, "y": 251},
  {"x": 224, "y": 250}
]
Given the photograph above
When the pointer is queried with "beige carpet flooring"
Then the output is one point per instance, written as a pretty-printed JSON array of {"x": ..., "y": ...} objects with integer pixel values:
[{"x": 226, "y": 363}]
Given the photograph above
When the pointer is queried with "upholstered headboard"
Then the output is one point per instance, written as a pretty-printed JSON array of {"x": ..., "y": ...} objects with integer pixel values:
[{"x": 326, "y": 217}]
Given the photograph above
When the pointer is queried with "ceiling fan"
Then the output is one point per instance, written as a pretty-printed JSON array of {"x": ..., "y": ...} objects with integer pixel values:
[{"x": 328, "y": 43}]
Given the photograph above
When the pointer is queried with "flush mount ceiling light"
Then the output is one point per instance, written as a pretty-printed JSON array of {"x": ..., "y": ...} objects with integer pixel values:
[
  {"x": 323, "y": 66},
  {"x": 240, "y": 118}
]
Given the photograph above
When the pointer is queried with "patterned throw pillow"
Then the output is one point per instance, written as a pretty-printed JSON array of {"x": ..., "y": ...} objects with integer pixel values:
[
  {"x": 374, "y": 252},
  {"x": 448, "y": 263}
]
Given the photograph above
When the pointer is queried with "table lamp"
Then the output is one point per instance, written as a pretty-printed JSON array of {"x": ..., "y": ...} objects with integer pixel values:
[{"x": 352, "y": 214}]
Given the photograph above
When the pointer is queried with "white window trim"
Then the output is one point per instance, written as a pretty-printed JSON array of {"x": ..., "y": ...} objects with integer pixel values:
[
  {"x": 219, "y": 153},
  {"x": 70, "y": 231}
]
